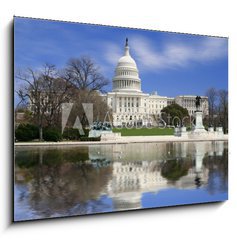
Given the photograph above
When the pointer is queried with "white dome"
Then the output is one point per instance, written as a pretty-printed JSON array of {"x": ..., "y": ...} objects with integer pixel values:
[
  {"x": 126, "y": 73},
  {"x": 126, "y": 59}
]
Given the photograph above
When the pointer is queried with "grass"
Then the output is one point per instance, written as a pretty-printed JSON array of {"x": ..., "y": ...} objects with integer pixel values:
[{"x": 144, "y": 131}]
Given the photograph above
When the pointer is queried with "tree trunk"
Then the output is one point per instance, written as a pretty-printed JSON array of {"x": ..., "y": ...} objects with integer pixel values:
[{"x": 41, "y": 134}]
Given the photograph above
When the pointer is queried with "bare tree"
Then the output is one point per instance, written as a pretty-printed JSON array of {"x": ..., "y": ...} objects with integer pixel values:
[
  {"x": 87, "y": 81},
  {"x": 44, "y": 91},
  {"x": 223, "y": 109},
  {"x": 83, "y": 74},
  {"x": 212, "y": 95}
]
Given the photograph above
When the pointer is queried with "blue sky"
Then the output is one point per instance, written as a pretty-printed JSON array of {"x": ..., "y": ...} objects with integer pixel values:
[{"x": 169, "y": 63}]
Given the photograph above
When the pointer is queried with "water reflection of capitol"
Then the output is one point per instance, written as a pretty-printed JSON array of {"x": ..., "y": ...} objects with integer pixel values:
[{"x": 140, "y": 168}]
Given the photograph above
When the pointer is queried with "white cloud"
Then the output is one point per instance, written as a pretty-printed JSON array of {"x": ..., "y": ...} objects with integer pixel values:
[
  {"x": 176, "y": 54},
  {"x": 112, "y": 53}
]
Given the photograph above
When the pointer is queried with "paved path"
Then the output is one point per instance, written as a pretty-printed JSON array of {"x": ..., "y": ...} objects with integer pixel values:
[{"x": 130, "y": 139}]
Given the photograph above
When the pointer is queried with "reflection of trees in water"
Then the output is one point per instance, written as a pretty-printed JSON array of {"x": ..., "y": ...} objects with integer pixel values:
[
  {"x": 218, "y": 172},
  {"x": 174, "y": 169},
  {"x": 50, "y": 156},
  {"x": 55, "y": 187}
]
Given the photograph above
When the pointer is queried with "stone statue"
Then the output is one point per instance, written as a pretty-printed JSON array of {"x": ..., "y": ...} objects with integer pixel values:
[
  {"x": 101, "y": 126},
  {"x": 198, "y": 102},
  {"x": 126, "y": 42}
]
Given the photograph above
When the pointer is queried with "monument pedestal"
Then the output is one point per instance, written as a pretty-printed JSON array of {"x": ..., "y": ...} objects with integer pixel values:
[
  {"x": 180, "y": 132},
  {"x": 211, "y": 129},
  {"x": 177, "y": 132},
  {"x": 219, "y": 132},
  {"x": 183, "y": 131},
  {"x": 199, "y": 128}
]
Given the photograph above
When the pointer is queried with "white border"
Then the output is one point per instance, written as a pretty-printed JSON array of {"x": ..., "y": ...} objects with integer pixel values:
[{"x": 213, "y": 221}]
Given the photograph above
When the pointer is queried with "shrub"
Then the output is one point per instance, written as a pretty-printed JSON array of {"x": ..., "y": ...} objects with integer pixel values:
[
  {"x": 88, "y": 139},
  {"x": 175, "y": 111},
  {"x": 86, "y": 131},
  {"x": 52, "y": 134},
  {"x": 71, "y": 134},
  {"x": 26, "y": 132},
  {"x": 189, "y": 128}
]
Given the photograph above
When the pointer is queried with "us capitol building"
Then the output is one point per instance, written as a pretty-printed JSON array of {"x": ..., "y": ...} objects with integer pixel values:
[{"x": 131, "y": 106}]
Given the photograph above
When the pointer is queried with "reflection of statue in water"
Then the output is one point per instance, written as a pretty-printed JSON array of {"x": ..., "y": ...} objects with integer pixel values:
[
  {"x": 198, "y": 181},
  {"x": 198, "y": 102},
  {"x": 200, "y": 151}
]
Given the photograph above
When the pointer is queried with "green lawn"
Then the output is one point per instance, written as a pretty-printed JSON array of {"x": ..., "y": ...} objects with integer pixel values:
[{"x": 144, "y": 131}]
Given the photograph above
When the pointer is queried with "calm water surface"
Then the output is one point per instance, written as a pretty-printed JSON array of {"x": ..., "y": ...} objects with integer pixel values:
[{"x": 78, "y": 180}]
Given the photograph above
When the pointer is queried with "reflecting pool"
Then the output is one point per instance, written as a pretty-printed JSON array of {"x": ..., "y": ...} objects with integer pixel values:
[{"x": 78, "y": 180}]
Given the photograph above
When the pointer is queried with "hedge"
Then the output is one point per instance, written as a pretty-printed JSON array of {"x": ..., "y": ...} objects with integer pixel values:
[
  {"x": 87, "y": 139},
  {"x": 71, "y": 134},
  {"x": 26, "y": 132},
  {"x": 52, "y": 134}
]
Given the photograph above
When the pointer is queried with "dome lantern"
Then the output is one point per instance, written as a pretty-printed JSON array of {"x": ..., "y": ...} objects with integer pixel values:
[{"x": 126, "y": 52}]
